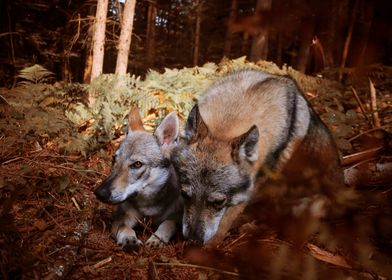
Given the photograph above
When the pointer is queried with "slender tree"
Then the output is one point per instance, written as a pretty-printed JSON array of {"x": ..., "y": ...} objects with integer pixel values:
[
  {"x": 150, "y": 36},
  {"x": 99, "y": 38},
  {"x": 229, "y": 33},
  {"x": 306, "y": 32},
  {"x": 124, "y": 43},
  {"x": 367, "y": 19},
  {"x": 259, "y": 49},
  {"x": 88, "y": 62},
  {"x": 348, "y": 39},
  {"x": 196, "y": 48}
]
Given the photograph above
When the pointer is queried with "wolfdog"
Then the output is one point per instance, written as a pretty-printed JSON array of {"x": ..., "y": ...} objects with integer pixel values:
[
  {"x": 248, "y": 123},
  {"x": 143, "y": 182}
]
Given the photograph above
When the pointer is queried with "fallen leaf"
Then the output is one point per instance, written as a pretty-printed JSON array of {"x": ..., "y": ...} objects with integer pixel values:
[{"x": 40, "y": 225}]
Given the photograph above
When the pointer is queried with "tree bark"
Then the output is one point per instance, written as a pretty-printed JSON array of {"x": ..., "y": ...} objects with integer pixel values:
[
  {"x": 88, "y": 63},
  {"x": 259, "y": 49},
  {"x": 365, "y": 32},
  {"x": 229, "y": 34},
  {"x": 197, "y": 33},
  {"x": 305, "y": 39},
  {"x": 99, "y": 38},
  {"x": 348, "y": 40},
  {"x": 124, "y": 43},
  {"x": 150, "y": 44}
]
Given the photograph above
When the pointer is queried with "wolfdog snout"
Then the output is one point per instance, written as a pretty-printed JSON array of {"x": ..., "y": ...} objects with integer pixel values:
[{"x": 103, "y": 192}]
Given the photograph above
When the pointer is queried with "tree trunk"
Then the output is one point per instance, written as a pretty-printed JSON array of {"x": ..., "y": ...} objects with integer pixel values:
[
  {"x": 305, "y": 40},
  {"x": 150, "y": 44},
  {"x": 229, "y": 34},
  {"x": 124, "y": 43},
  {"x": 259, "y": 49},
  {"x": 88, "y": 62},
  {"x": 365, "y": 32},
  {"x": 327, "y": 33},
  {"x": 348, "y": 40},
  {"x": 197, "y": 33},
  {"x": 99, "y": 38}
]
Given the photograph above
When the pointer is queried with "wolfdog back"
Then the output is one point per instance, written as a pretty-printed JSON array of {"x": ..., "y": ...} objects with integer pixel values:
[{"x": 247, "y": 122}]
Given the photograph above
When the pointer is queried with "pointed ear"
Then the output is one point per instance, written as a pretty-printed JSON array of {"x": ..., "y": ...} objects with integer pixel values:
[
  {"x": 195, "y": 127},
  {"x": 167, "y": 131},
  {"x": 134, "y": 120},
  {"x": 245, "y": 147}
]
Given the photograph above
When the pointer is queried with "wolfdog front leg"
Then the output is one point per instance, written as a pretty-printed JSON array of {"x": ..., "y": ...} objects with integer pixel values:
[
  {"x": 163, "y": 234},
  {"x": 125, "y": 219}
]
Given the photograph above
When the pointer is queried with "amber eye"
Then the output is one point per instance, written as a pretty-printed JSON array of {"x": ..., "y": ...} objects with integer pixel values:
[
  {"x": 136, "y": 165},
  {"x": 219, "y": 203}
]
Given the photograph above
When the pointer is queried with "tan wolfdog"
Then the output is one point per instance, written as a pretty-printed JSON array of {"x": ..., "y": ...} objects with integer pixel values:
[
  {"x": 143, "y": 182},
  {"x": 247, "y": 123}
]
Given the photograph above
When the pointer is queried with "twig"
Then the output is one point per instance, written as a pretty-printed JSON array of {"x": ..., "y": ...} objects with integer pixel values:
[
  {"x": 360, "y": 105},
  {"x": 148, "y": 228},
  {"x": 8, "y": 33},
  {"x": 5, "y": 100},
  {"x": 311, "y": 95},
  {"x": 368, "y": 131},
  {"x": 75, "y": 203},
  {"x": 53, "y": 219},
  {"x": 33, "y": 154},
  {"x": 11, "y": 43},
  {"x": 369, "y": 153},
  {"x": 199, "y": 267},
  {"x": 373, "y": 103},
  {"x": 152, "y": 271},
  {"x": 55, "y": 198},
  {"x": 338, "y": 260},
  {"x": 67, "y": 168},
  {"x": 102, "y": 263},
  {"x": 12, "y": 160},
  {"x": 360, "y": 163},
  {"x": 235, "y": 241},
  {"x": 328, "y": 257}
]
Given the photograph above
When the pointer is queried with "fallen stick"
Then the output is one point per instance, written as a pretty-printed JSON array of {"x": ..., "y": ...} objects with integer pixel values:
[
  {"x": 198, "y": 267},
  {"x": 75, "y": 203},
  {"x": 327, "y": 257},
  {"x": 360, "y": 105},
  {"x": 373, "y": 104},
  {"x": 102, "y": 263},
  {"x": 369, "y": 131},
  {"x": 359, "y": 156}
]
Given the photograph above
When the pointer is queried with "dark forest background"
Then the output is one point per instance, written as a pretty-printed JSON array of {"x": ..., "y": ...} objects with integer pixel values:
[{"x": 307, "y": 35}]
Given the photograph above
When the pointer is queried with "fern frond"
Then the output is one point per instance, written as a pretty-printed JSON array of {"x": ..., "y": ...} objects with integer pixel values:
[{"x": 35, "y": 74}]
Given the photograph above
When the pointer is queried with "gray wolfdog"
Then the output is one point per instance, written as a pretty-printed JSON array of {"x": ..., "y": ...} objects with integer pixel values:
[
  {"x": 246, "y": 123},
  {"x": 143, "y": 182}
]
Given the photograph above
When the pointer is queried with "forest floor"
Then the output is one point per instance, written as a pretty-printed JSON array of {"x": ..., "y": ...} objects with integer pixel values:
[{"x": 53, "y": 227}]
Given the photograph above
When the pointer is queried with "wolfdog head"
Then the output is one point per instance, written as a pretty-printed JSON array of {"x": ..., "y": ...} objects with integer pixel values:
[
  {"x": 140, "y": 166},
  {"x": 214, "y": 174}
]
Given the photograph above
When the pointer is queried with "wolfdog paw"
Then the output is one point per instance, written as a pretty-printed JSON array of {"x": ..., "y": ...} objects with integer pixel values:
[
  {"x": 129, "y": 242},
  {"x": 127, "y": 238},
  {"x": 154, "y": 242}
]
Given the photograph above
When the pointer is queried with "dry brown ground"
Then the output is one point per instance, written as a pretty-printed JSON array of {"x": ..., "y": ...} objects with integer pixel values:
[{"x": 52, "y": 226}]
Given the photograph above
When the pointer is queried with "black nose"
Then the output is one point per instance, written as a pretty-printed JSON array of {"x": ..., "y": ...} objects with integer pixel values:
[
  {"x": 195, "y": 235},
  {"x": 103, "y": 192}
]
